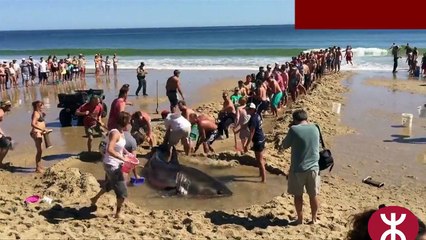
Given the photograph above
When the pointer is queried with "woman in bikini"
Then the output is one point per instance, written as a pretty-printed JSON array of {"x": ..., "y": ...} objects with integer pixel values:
[
  {"x": 107, "y": 65},
  {"x": 38, "y": 129}
]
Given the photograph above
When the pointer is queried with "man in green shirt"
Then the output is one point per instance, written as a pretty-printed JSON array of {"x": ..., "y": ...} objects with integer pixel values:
[
  {"x": 235, "y": 98},
  {"x": 304, "y": 141}
]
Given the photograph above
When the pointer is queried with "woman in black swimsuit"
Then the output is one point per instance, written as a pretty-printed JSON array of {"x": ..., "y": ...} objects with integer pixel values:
[{"x": 38, "y": 129}]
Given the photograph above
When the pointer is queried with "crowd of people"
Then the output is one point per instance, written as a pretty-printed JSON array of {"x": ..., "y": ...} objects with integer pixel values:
[
  {"x": 412, "y": 55},
  {"x": 243, "y": 112}
]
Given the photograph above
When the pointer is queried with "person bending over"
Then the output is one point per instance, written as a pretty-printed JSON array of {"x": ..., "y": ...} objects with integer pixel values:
[
  {"x": 208, "y": 131},
  {"x": 142, "y": 120},
  {"x": 178, "y": 130}
]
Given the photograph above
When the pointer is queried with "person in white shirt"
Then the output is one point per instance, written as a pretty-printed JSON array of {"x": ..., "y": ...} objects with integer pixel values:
[
  {"x": 114, "y": 157},
  {"x": 42, "y": 67},
  {"x": 178, "y": 129}
]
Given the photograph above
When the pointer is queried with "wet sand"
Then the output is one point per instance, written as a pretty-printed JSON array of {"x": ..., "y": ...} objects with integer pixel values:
[
  {"x": 415, "y": 86},
  {"x": 342, "y": 193}
]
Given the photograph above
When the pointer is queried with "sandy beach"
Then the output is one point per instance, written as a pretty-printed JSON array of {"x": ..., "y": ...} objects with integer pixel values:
[{"x": 71, "y": 182}]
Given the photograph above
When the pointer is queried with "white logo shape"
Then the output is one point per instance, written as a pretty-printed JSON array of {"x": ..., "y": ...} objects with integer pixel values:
[{"x": 393, "y": 223}]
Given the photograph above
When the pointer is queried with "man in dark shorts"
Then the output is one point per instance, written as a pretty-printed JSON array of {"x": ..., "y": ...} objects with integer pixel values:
[
  {"x": 257, "y": 137},
  {"x": 172, "y": 89},
  {"x": 142, "y": 120},
  {"x": 141, "y": 74},
  {"x": 92, "y": 113}
]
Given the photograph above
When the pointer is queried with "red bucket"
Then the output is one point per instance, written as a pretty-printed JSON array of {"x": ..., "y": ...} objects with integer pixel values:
[{"x": 131, "y": 163}]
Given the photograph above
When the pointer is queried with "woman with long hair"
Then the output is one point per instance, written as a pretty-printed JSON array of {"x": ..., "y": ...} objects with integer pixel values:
[{"x": 38, "y": 129}]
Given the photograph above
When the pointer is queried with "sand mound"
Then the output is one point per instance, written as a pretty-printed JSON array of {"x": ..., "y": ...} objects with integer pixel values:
[{"x": 68, "y": 183}]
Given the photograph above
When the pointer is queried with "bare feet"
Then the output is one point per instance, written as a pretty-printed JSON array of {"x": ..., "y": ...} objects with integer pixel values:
[{"x": 40, "y": 170}]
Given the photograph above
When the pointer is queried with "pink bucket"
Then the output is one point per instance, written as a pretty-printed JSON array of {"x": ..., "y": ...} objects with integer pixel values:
[{"x": 130, "y": 164}]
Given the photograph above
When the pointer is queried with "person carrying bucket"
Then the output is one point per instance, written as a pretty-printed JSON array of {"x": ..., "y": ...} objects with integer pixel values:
[{"x": 115, "y": 159}]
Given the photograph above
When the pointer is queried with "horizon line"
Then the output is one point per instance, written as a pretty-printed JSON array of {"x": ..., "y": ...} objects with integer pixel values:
[{"x": 124, "y": 28}]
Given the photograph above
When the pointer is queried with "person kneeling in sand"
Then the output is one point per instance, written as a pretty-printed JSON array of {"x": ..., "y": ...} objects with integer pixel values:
[
  {"x": 304, "y": 140},
  {"x": 141, "y": 120},
  {"x": 207, "y": 129},
  {"x": 92, "y": 121},
  {"x": 113, "y": 160},
  {"x": 178, "y": 130}
]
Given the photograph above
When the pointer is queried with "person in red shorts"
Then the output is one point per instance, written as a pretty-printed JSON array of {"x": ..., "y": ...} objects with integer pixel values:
[{"x": 92, "y": 113}]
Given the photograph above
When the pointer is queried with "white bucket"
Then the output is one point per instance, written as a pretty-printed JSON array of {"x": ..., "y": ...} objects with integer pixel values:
[
  {"x": 336, "y": 107},
  {"x": 407, "y": 119},
  {"x": 422, "y": 111}
]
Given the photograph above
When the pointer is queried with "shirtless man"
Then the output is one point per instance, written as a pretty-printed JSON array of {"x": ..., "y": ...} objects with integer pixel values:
[
  {"x": 226, "y": 116},
  {"x": 348, "y": 55},
  {"x": 262, "y": 98},
  {"x": 115, "y": 63},
  {"x": 208, "y": 131},
  {"x": 307, "y": 76},
  {"x": 185, "y": 110},
  {"x": 275, "y": 89},
  {"x": 337, "y": 59},
  {"x": 142, "y": 120},
  {"x": 284, "y": 86},
  {"x": 294, "y": 81},
  {"x": 172, "y": 89}
]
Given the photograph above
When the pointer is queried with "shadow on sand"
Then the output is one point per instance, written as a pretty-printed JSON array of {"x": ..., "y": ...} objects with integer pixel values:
[
  {"x": 406, "y": 139},
  {"x": 90, "y": 156},
  {"x": 55, "y": 157},
  {"x": 58, "y": 213},
  {"x": 16, "y": 169},
  {"x": 222, "y": 218}
]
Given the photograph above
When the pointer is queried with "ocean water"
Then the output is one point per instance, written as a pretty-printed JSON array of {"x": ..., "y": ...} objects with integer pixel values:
[{"x": 208, "y": 47}]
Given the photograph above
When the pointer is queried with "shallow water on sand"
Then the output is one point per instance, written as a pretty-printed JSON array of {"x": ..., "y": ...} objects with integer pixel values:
[
  {"x": 69, "y": 140},
  {"x": 381, "y": 147},
  {"x": 243, "y": 181}
]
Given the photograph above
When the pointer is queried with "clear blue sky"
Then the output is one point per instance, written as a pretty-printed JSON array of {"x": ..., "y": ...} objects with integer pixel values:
[{"x": 90, "y": 14}]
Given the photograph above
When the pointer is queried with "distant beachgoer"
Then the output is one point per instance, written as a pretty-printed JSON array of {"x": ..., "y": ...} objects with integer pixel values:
[
  {"x": 12, "y": 74},
  {"x": 107, "y": 65},
  {"x": 395, "y": 51},
  {"x": 303, "y": 139},
  {"x": 349, "y": 55},
  {"x": 208, "y": 131},
  {"x": 241, "y": 123},
  {"x": 178, "y": 130},
  {"x": 257, "y": 137},
  {"x": 261, "y": 74},
  {"x": 295, "y": 79},
  {"x": 92, "y": 113},
  {"x": 25, "y": 71},
  {"x": 54, "y": 69},
  {"x": 141, "y": 74},
  {"x": 408, "y": 49},
  {"x": 115, "y": 156},
  {"x": 172, "y": 89},
  {"x": 424, "y": 64},
  {"x": 142, "y": 120},
  {"x": 82, "y": 66},
  {"x": 5, "y": 143},
  {"x": 3, "y": 86},
  {"x": 337, "y": 60},
  {"x": 115, "y": 63},
  {"x": 38, "y": 129},
  {"x": 43, "y": 71},
  {"x": 360, "y": 226}
]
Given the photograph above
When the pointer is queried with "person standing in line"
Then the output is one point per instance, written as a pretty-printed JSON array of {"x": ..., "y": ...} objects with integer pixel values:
[
  {"x": 304, "y": 140},
  {"x": 42, "y": 71},
  {"x": 25, "y": 71},
  {"x": 115, "y": 63},
  {"x": 258, "y": 138},
  {"x": 141, "y": 74},
  {"x": 172, "y": 89}
]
